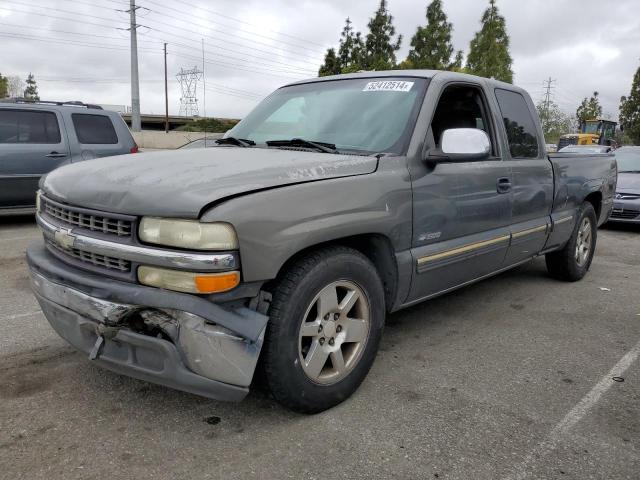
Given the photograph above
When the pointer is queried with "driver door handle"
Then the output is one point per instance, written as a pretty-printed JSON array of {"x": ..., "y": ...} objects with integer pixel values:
[
  {"x": 55, "y": 154},
  {"x": 504, "y": 185}
]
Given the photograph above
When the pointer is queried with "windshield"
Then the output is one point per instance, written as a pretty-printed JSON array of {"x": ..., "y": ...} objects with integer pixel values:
[
  {"x": 368, "y": 115},
  {"x": 591, "y": 127},
  {"x": 628, "y": 159}
]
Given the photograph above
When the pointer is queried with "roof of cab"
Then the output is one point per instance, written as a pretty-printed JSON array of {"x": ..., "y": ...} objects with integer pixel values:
[{"x": 446, "y": 75}]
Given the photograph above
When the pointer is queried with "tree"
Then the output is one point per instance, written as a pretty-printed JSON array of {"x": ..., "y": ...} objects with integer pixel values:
[
  {"x": 379, "y": 44},
  {"x": 31, "y": 92},
  {"x": 358, "y": 55},
  {"x": 4, "y": 85},
  {"x": 331, "y": 64},
  {"x": 431, "y": 45},
  {"x": 554, "y": 121},
  {"x": 489, "y": 50},
  {"x": 351, "y": 50},
  {"x": 630, "y": 111},
  {"x": 456, "y": 66},
  {"x": 589, "y": 109},
  {"x": 15, "y": 86}
]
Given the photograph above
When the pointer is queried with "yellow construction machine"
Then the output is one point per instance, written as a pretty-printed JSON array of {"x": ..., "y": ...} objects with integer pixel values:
[{"x": 592, "y": 132}]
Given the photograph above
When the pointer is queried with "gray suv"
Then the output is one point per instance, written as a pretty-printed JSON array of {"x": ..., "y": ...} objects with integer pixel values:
[{"x": 38, "y": 137}]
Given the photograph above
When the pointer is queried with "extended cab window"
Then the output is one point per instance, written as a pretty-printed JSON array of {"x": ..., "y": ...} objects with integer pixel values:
[
  {"x": 460, "y": 106},
  {"x": 28, "y": 126},
  {"x": 367, "y": 115},
  {"x": 519, "y": 124},
  {"x": 94, "y": 129}
]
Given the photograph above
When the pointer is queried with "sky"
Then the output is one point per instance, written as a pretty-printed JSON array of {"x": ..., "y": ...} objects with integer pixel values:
[{"x": 79, "y": 49}]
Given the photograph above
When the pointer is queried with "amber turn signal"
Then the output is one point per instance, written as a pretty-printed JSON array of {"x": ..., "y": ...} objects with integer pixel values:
[{"x": 190, "y": 282}]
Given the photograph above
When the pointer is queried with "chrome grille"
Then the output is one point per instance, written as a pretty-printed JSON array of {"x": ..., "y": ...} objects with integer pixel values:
[
  {"x": 90, "y": 221},
  {"x": 95, "y": 259},
  {"x": 625, "y": 214}
]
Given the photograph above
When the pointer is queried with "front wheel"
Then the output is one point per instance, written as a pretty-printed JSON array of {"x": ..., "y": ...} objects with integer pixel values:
[
  {"x": 573, "y": 261},
  {"x": 325, "y": 325}
]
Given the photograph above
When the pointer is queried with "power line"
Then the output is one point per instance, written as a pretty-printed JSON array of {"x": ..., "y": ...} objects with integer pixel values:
[
  {"x": 75, "y": 21},
  {"x": 216, "y": 87},
  {"x": 250, "y": 62},
  {"x": 209, "y": 21},
  {"x": 70, "y": 42},
  {"x": 85, "y": 22},
  {"x": 84, "y": 15},
  {"x": 233, "y": 66},
  {"x": 227, "y": 41},
  {"x": 158, "y": 51},
  {"x": 69, "y": 12},
  {"x": 249, "y": 23}
]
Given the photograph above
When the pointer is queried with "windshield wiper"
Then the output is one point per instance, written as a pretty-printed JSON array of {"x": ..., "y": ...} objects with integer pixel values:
[
  {"x": 301, "y": 142},
  {"x": 240, "y": 142}
]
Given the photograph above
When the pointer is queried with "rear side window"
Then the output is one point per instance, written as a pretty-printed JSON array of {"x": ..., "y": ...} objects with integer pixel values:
[
  {"x": 519, "y": 124},
  {"x": 94, "y": 129},
  {"x": 28, "y": 126}
]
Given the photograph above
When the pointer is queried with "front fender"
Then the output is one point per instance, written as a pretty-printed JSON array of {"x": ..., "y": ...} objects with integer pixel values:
[{"x": 274, "y": 225}]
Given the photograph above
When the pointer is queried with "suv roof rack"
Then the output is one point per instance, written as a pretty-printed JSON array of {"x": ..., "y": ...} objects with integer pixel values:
[{"x": 74, "y": 103}]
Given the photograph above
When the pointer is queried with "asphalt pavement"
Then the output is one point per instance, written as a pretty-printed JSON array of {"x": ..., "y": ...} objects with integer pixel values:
[{"x": 510, "y": 378}]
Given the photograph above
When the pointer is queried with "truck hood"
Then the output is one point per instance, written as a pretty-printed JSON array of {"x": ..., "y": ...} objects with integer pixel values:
[
  {"x": 179, "y": 183},
  {"x": 628, "y": 182}
]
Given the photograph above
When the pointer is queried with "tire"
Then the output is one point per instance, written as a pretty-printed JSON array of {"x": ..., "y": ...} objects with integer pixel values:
[
  {"x": 308, "y": 323},
  {"x": 568, "y": 264}
]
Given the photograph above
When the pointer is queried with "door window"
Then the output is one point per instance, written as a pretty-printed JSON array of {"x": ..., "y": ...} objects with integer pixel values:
[
  {"x": 28, "y": 126},
  {"x": 94, "y": 129},
  {"x": 460, "y": 106},
  {"x": 519, "y": 124}
]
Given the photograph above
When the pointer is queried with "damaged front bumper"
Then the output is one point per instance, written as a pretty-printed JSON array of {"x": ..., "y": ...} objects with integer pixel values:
[{"x": 178, "y": 340}]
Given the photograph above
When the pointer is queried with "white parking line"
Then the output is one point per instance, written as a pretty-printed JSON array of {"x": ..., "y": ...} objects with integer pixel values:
[
  {"x": 575, "y": 414},
  {"x": 20, "y": 315}
]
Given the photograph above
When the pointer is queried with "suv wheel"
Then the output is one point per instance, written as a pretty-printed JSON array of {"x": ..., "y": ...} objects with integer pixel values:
[{"x": 325, "y": 325}]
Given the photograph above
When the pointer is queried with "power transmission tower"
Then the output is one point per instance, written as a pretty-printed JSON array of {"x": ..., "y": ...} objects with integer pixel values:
[
  {"x": 547, "y": 95},
  {"x": 189, "y": 86},
  {"x": 135, "y": 81},
  {"x": 547, "y": 101}
]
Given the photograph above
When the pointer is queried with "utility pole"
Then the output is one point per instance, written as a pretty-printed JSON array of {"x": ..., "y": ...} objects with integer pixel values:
[
  {"x": 166, "y": 93},
  {"x": 135, "y": 81}
]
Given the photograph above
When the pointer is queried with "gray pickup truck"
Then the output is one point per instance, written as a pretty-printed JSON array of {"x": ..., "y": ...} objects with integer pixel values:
[{"x": 279, "y": 252}]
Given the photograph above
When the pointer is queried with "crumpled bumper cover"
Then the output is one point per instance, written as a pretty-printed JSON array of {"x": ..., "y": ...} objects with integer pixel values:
[
  {"x": 203, "y": 359},
  {"x": 139, "y": 356}
]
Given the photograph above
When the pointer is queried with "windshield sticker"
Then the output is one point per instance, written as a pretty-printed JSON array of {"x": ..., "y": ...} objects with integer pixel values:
[{"x": 388, "y": 86}]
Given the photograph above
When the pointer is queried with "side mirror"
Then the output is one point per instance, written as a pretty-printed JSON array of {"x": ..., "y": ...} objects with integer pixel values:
[{"x": 463, "y": 145}]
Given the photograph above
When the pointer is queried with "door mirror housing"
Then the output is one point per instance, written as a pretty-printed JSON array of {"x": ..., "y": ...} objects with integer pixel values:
[{"x": 462, "y": 145}]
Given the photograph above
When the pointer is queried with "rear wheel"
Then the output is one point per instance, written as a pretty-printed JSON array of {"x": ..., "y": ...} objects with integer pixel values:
[
  {"x": 573, "y": 261},
  {"x": 325, "y": 325}
]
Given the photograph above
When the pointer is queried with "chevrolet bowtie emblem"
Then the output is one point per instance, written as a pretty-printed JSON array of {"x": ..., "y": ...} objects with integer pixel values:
[{"x": 64, "y": 238}]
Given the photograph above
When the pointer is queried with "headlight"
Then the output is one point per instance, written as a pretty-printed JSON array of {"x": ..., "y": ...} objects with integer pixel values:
[
  {"x": 189, "y": 282},
  {"x": 189, "y": 234}
]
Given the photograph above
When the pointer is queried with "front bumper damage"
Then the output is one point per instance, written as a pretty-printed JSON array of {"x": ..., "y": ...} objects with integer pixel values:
[{"x": 199, "y": 346}]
